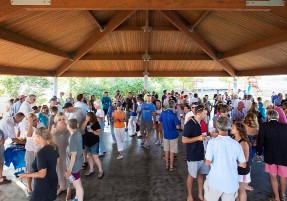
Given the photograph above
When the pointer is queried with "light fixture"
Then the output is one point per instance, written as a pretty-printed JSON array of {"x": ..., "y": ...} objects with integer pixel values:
[
  {"x": 31, "y": 2},
  {"x": 266, "y": 3}
]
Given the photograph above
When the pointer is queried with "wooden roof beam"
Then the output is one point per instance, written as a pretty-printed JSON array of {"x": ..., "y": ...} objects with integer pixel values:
[
  {"x": 183, "y": 26},
  {"x": 153, "y": 57},
  {"x": 9, "y": 70},
  {"x": 147, "y": 31},
  {"x": 275, "y": 70},
  {"x": 202, "y": 16},
  {"x": 282, "y": 37},
  {"x": 140, "y": 74},
  {"x": 146, "y": 5},
  {"x": 28, "y": 42},
  {"x": 96, "y": 20},
  {"x": 96, "y": 35},
  {"x": 154, "y": 28}
]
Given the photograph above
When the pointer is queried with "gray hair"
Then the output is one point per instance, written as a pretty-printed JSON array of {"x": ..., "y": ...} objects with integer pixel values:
[
  {"x": 272, "y": 114},
  {"x": 171, "y": 103},
  {"x": 223, "y": 123}
]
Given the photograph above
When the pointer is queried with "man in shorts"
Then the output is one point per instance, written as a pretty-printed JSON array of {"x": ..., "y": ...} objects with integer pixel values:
[
  {"x": 147, "y": 120},
  {"x": 170, "y": 124},
  {"x": 224, "y": 155},
  {"x": 273, "y": 137},
  {"x": 193, "y": 139}
]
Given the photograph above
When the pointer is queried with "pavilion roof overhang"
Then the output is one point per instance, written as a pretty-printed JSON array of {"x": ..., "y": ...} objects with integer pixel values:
[{"x": 192, "y": 24}]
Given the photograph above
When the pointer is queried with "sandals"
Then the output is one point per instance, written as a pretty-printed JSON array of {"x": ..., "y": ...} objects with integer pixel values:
[
  {"x": 249, "y": 188},
  {"x": 85, "y": 166},
  {"x": 172, "y": 169},
  {"x": 101, "y": 175},
  {"x": 59, "y": 191},
  {"x": 89, "y": 173},
  {"x": 5, "y": 181}
]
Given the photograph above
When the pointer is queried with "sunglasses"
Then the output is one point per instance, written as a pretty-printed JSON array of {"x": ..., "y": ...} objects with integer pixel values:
[{"x": 61, "y": 119}]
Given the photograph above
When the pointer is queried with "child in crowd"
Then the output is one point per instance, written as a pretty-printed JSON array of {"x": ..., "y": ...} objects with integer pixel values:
[
  {"x": 51, "y": 122},
  {"x": 75, "y": 158}
]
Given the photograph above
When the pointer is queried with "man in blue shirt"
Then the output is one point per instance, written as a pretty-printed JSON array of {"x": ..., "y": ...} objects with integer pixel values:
[
  {"x": 106, "y": 101},
  {"x": 170, "y": 124},
  {"x": 193, "y": 138},
  {"x": 147, "y": 120}
]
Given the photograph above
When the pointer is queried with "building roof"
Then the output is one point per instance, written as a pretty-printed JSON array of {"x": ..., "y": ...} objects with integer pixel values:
[{"x": 125, "y": 38}]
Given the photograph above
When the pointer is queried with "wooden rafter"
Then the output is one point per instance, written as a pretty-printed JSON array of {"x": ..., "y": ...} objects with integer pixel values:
[
  {"x": 146, "y": 5},
  {"x": 9, "y": 70},
  {"x": 154, "y": 28},
  {"x": 183, "y": 26},
  {"x": 140, "y": 74},
  {"x": 28, "y": 42},
  {"x": 282, "y": 37},
  {"x": 154, "y": 57},
  {"x": 200, "y": 18},
  {"x": 97, "y": 35},
  {"x": 96, "y": 20},
  {"x": 274, "y": 70}
]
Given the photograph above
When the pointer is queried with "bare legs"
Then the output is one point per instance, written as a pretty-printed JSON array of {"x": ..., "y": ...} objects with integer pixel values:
[
  {"x": 189, "y": 182},
  {"x": 242, "y": 195}
]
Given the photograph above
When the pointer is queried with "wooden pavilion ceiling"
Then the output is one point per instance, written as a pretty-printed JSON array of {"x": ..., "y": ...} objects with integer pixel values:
[{"x": 125, "y": 38}]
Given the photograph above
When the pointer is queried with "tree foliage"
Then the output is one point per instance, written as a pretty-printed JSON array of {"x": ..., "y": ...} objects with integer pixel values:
[{"x": 43, "y": 87}]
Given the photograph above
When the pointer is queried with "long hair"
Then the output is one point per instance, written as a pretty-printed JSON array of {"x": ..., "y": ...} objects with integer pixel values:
[
  {"x": 44, "y": 133},
  {"x": 242, "y": 131},
  {"x": 250, "y": 120},
  {"x": 93, "y": 117}
]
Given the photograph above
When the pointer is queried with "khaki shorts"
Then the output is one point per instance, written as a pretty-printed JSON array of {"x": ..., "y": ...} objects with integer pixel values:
[
  {"x": 211, "y": 194},
  {"x": 146, "y": 126},
  {"x": 170, "y": 145}
]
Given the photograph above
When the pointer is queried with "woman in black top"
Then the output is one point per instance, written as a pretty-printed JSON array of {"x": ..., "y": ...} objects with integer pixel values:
[
  {"x": 91, "y": 140},
  {"x": 240, "y": 134},
  {"x": 44, "y": 167}
]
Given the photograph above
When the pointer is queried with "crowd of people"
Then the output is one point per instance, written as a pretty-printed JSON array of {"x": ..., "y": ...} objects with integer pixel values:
[{"x": 222, "y": 135}]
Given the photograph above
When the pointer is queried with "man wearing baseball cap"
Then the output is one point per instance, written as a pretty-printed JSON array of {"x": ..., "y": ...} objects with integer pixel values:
[{"x": 269, "y": 105}]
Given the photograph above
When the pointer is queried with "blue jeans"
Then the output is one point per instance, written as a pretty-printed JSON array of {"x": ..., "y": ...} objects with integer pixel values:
[
  {"x": 102, "y": 144},
  {"x": 112, "y": 131}
]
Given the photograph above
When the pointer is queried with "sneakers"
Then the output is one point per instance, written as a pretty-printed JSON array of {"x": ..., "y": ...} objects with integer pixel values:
[
  {"x": 161, "y": 144},
  {"x": 120, "y": 157},
  {"x": 157, "y": 143}
]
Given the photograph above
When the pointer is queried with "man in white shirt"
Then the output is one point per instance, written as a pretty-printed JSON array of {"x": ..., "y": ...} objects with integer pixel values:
[
  {"x": 224, "y": 155},
  {"x": 80, "y": 103},
  {"x": 7, "y": 130},
  {"x": 26, "y": 108}
]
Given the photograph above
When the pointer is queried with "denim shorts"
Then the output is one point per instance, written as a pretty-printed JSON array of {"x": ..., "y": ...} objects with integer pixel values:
[{"x": 95, "y": 149}]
